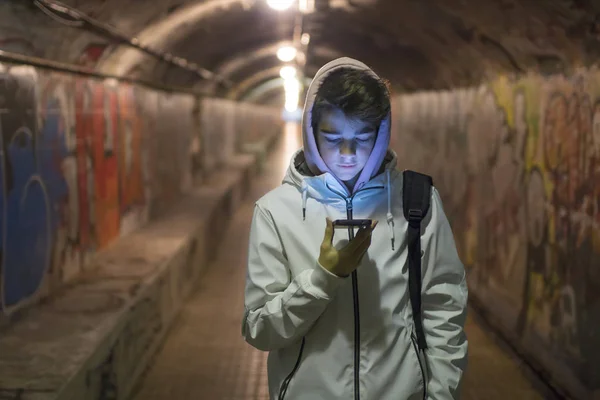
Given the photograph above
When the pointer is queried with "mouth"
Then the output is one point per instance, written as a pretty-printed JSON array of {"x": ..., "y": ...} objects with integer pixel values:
[{"x": 347, "y": 166}]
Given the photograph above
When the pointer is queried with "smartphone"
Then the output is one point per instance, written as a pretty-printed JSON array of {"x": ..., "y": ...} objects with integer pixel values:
[{"x": 356, "y": 223}]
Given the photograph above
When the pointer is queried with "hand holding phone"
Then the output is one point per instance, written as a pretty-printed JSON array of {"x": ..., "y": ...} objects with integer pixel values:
[{"x": 344, "y": 261}]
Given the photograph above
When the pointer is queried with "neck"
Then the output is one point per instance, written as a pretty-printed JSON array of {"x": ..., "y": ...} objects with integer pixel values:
[{"x": 350, "y": 184}]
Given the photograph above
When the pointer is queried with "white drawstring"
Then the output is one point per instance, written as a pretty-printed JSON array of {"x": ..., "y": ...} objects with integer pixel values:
[
  {"x": 390, "y": 216},
  {"x": 304, "y": 196}
]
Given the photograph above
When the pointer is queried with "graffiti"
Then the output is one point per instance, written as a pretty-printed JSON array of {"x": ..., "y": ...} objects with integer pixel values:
[
  {"x": 499, "y": 186},
  {"x": 26, "y": 217},
  {"x": 517, "y": 164},
  {"x": 131, "y": 176},
  {"x": 57, "y": 143},
  {"x": 91, "y": 54},
  {"x": 84, "y": 165},
  {"x": 106, "y": 185},
  {"x": 78, "y": 169},
  {"x": 568, "y": 158}
]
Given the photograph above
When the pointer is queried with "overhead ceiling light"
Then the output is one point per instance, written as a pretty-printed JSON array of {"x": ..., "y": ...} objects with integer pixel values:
[
  {"x": 306, "y": 6},
  {"x": 288, "y": 72},
  {"x": 280, "y": 5},
  {"x": 111, "y": 82},
  {"x": 305, "y": 38},
  {"x": 286, "y": 53}
]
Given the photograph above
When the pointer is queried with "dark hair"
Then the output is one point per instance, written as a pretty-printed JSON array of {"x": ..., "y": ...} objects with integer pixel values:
[{"x": 357, "y": 93}]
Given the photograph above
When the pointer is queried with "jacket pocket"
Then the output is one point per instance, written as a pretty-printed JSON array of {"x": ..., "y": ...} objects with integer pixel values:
[{"x": 422, "y": 366}]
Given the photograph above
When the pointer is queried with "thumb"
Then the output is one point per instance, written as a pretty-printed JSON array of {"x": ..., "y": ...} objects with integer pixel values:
[{"x": 328, "y": 239}]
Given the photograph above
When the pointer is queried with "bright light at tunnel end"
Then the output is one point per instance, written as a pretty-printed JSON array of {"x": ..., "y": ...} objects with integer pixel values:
[
  {"x": 280, "y": 5},
  {"x": 286, "y": 53},
  {"x": 287, "y": 72},
  {"x": 292, "y": 94}
]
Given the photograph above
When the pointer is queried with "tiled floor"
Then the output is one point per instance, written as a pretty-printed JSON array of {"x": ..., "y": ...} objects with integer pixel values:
[{"x": 205, "y": 357}]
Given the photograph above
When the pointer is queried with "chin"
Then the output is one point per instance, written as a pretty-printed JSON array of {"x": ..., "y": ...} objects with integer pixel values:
[{"x": 346, "y": 175}]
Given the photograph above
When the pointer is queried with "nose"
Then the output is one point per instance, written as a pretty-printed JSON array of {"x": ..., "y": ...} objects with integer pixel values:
[{"x": 348, "y": 148}]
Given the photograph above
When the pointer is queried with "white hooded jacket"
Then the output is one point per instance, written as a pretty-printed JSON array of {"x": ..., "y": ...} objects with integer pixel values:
[{"x": 306, "y": 316}]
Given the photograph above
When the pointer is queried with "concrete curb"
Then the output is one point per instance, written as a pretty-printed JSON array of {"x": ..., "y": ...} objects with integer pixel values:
[
  {"x": 96, "y": 338},
  {"x": 261, "y": 149}
]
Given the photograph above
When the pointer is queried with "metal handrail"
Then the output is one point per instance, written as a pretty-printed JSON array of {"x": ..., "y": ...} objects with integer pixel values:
[
  {"x": 72, "y": 17},
  {"x": 15, "y": 58}
]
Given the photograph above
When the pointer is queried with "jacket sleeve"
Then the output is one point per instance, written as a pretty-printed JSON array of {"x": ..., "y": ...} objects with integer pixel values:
[
  {"x": 280, "y": 308},
  {"x": 444, "y": 303}
]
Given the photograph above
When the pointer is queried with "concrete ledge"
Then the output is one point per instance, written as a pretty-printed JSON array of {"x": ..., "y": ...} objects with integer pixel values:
[
  {"x": 248, "y": 166},
  {"x": 261, "y": 148},
  {"x": 95, "y": 339}
]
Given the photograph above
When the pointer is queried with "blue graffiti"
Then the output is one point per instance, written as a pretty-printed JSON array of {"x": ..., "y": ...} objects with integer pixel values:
[
  {"x": 27, "y": 231},
  {"x": 31, "y": 206}
]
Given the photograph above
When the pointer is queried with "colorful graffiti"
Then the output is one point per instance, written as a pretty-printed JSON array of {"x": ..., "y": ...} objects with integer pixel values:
[
  {"x": 73, "y": 174},
  {"x": 84, "y": 161},
  {"x": 28, "y": 216},
  {"x": 517, "y": 163}
]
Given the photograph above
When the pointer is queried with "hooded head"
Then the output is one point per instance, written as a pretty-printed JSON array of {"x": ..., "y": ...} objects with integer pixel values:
[{"x": 346, "y": 122}]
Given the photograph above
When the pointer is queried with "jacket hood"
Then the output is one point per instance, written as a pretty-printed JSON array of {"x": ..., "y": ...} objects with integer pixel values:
[{"x": 314, "y": 162}]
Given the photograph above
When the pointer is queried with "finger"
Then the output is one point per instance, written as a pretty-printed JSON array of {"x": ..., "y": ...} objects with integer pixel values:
[
  {"x": 356, "y": 258},
  {"x": 362, "y": 249},
  {"x": 362, "y": 235},
  {"x": 328, "y": 238}
]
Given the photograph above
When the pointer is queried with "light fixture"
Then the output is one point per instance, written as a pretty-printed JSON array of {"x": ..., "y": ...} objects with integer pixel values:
[
  {"x": 305, "y": 38},
  {"x": 287, "y": 72},
  {"x": 112, "y": 82},
  {"x": 286, "y": 53},
  {"x": 292, "y": 94},
  {"x": 306, "y": 6},
  {"x": 280, "y": 5}
]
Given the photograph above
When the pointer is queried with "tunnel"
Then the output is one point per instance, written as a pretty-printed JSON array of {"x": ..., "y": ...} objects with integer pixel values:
[{"x": 138, "y": 135}]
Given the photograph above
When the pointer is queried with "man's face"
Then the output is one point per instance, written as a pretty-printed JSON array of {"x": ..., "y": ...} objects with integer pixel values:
[{"x": 345, "y": 144}]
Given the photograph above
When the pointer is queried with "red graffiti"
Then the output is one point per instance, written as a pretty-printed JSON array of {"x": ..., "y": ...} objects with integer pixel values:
[
  {"x": 130, "y": 154},
  {"x": 106, "y": 183}
]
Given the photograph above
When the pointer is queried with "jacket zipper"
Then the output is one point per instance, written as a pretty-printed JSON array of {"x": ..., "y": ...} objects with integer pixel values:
[
  {"x": 349, "y": 210},
  {"x": 421, "y": 367},
  {"x": 356, "y": 311}
]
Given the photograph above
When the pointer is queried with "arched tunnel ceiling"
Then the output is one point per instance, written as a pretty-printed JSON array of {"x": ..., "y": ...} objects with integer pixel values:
[{"x": 424, "y": 44}]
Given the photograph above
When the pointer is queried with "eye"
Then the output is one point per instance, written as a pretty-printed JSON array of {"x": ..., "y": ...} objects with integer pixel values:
[
  {"x": 364, "y": 139},
  {"x": 329, "y": 136}
]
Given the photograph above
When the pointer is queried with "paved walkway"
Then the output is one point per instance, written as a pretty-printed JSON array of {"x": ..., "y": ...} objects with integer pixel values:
[{"x": 205, "y": 357}]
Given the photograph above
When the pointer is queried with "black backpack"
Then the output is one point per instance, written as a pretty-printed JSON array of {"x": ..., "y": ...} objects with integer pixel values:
[{"x": 416, "y": 196}]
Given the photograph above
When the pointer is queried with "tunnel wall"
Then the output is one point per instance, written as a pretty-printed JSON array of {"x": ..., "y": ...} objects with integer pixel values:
[
  {"x": 86, "y": 161},
  {"x": 227, "y": 126},
  {"x": 517, "y": 162}
]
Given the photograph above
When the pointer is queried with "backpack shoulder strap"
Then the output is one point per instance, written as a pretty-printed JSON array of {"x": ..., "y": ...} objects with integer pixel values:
[{"x": 416, "y": 199}]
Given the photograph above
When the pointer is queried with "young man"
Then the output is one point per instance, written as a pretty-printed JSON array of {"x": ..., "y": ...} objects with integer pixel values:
[{"x": 329, "y": 335}]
